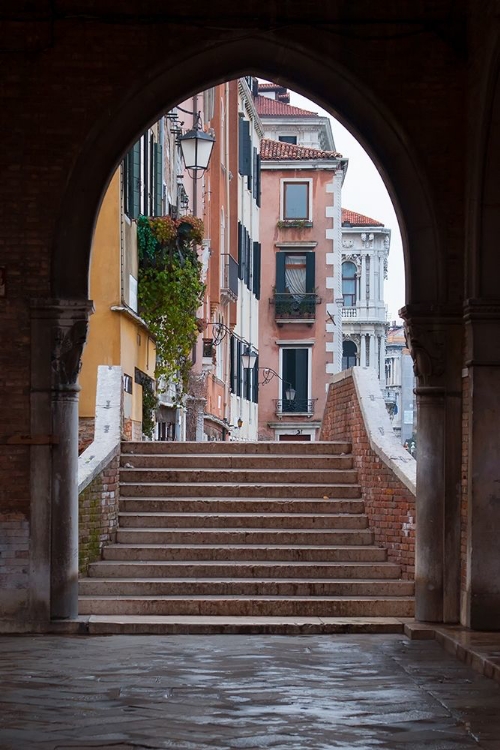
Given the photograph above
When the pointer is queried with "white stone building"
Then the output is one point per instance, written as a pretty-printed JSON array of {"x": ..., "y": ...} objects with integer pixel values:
[{"x": 365, "y": 252}]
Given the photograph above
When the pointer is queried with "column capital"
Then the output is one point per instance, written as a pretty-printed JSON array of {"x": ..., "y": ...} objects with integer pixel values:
[
  {"x": 428, "y": 331},
  {"x": 63, "y": 325}
]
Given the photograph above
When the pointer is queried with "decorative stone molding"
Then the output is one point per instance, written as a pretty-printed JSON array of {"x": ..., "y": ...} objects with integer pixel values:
[
  {"x": 427, "y": 351},
  {"x": 431, "y": 332},
  {"x": 68, "y": 323},
  {"x": 482, "y": 343}
]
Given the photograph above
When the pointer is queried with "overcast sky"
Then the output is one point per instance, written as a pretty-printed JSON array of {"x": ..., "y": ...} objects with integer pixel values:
[{"x": 365, "y": 192}]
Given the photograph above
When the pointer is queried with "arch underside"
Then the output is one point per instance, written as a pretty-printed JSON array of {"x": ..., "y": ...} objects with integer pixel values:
[{"x": 280, "y": 59}]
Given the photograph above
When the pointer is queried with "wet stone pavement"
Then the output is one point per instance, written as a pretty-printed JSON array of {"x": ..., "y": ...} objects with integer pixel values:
[{"x": 225, "y": 692}]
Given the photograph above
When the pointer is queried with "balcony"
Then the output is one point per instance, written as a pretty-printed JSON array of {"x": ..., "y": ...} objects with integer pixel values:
[
  {"x": 229, "y": 284},
  {"x": 295, "y": 308},
  {"x": 349, "y": 313},
  {"x": 303, "y": 407}
]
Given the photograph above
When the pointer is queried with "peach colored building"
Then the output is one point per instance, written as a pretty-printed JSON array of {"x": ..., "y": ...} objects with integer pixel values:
[{"x": 300, "y": 334}]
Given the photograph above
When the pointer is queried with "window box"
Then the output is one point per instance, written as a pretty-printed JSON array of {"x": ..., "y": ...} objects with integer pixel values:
[{"x": 294, "y": 224}]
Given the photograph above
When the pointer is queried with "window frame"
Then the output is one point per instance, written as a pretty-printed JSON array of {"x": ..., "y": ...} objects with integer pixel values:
[
  {"x": 309, "y": 348},
  {"x": 294, "y": 180},
  {"x": 354, "y": 279}
]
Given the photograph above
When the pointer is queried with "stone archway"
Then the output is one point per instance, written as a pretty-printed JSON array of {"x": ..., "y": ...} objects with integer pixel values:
[{"x": 64, "y": 315}]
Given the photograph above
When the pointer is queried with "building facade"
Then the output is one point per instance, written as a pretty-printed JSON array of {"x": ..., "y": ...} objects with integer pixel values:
[
  {"x": 300, "y": 322},
  {"x": 400, "y": 384},
  {"x": 365, "y": 252}
]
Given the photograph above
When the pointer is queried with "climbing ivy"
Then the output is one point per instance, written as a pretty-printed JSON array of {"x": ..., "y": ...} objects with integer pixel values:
[{"x": 170, "y": 291}]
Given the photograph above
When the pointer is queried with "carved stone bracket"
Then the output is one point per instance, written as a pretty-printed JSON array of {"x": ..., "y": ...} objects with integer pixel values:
[
  {"x": 431, "y": 333},
  {"x": 63, "y": 324}
]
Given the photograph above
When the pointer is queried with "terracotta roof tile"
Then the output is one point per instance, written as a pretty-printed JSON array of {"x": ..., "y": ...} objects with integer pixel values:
[
  {"x": 359, "y": 220},
  {"x": 273, "y": 108},
  {"x": 279, "y": 151}
]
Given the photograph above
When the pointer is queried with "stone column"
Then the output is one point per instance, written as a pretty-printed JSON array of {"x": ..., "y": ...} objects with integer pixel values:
[
  {"x": 373, "y": 291},
  {"x": 362, "y": 358},
  {"x": 382, "y": 361},
  {"x": 59, "y": 330},
  {"x": 481, "y": 604},
  {"x": 362, "y": 291},
  {"x": 434, "y": 337},
  {"x": 372, "y": 356}
]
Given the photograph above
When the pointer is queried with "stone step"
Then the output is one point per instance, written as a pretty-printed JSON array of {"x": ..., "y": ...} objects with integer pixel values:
[
  {"x": 240, "y": 476},
  {"x": 215, "y": 489},
  {"x": 367, "y": 606},
  {"x": 196, "y": 625},
  {"x": 244, "y": 536},
  {"x": 190, "y": 587},
  {"x": 263, "y": 447},
  {"x": 234, "y": 461},
  {"x": 242, "y": 553},
  {"x": 239, "y": 505},
  {"x": 242, "y": 520},
  {"x": 253, "y": 569}
]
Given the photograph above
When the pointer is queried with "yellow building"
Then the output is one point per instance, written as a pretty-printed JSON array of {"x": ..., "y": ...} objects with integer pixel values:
[{"x": 117, "y": 335}]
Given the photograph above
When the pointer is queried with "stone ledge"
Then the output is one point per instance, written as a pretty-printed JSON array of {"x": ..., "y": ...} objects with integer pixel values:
[
  {"x": 378, "y": 425},
  {"x": 479, "y": 650},
  {"x": 107, "y": 432}
]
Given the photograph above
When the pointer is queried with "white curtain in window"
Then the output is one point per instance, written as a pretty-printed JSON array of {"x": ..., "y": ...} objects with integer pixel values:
[{"x": 295, "y": 275}]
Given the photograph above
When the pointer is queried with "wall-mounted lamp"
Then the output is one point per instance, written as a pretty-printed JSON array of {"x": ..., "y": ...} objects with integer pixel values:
[
  {"x": 196, "y": 147},
  {"x": 248, "y": 359},
  {"x": 239, "y": 423}
]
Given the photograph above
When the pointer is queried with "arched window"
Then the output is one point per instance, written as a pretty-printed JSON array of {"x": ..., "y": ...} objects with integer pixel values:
[
  {"x": 349, "y": 354},
  {"x": 349, "y": 283}
]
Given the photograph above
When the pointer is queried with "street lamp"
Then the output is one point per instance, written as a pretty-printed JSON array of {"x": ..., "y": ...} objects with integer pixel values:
[
  {"x": 196, "y": 147},
  {"x": 248, "y": 359}
]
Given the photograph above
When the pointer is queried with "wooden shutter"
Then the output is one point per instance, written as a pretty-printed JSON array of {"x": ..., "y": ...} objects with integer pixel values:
[
  {"x": 256, "y": 269},
  {"x": 280, "y": 272},
  {"x": 244, "y": 148},
  {"x": 240, "y": 250},
  {"x": 135, "y": 181},
  {"x": 158, "y": 178},
  {"x": 238, "y": 367},
  {"x": 310, "y": 272},
  {"x": 257, "y": 178}
]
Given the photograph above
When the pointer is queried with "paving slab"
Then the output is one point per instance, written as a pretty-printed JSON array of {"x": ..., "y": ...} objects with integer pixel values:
[{"x": 344, "y": 692}]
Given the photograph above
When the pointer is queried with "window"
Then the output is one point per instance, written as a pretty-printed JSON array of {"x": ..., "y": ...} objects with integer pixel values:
[
  {"x": 295, "y": 373},
  {"x": 295, "y": 273},
  {"x": 349, "y": 354},
  {"x": 296, "y": 200},
  {"x": 349, "y": 284},
  {"x": 288, "y": 139}
]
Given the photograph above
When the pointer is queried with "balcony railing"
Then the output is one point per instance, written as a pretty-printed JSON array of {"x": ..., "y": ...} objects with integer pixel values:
[
  {"x": 294, "y": 307},
  {"x": 229, "y": 285},
  {"x": 304, "y": 406},
  {"x": 349, "y": 312}
]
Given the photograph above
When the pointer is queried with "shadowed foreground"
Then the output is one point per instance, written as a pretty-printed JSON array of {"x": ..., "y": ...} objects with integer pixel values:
[{"x": 192, "y": 692}]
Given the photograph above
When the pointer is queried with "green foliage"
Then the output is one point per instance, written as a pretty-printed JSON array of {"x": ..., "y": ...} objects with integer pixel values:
[
  {"x": 170, "y": 291},
  {"x": 149, "y": 404},
  {"x": 294, "y": 224}
]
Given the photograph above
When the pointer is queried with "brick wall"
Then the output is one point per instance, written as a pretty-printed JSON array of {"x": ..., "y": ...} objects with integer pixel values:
[
  {"x": 389, "y": 504},
  {"x": 98, "y": 514},
  {"x": 85, "y": 433},
  {"x": 14, "y": 559}
]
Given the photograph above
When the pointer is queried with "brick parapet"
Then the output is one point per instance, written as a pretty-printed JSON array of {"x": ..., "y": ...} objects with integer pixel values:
[
  {"x": 389, "y": 502},
  {"x": 98, "y": 514}
]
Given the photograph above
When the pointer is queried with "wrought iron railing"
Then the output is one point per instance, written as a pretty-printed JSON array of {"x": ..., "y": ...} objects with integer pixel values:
[
  {"x": 295, "y": 306},
  {"x": 295, "y": 406}
]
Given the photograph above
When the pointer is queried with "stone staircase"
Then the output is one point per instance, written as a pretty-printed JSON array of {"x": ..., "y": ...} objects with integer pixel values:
[{"x": 242, "y": 530}]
